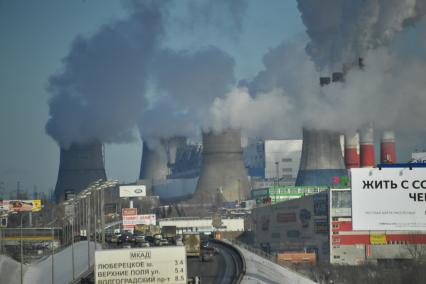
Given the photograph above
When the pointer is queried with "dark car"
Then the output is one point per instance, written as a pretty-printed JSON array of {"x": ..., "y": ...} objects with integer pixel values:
[{"x": 126, "y": 238}]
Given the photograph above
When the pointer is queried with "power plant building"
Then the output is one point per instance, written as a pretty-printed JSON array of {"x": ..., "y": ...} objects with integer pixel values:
[{"x": 274, "y": 159}]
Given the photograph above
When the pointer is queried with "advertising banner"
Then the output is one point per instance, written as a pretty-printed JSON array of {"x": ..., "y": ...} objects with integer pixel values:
[
  {"x": 141, "y": 265},
  {"x": 132, "y": 220},
  {"x": 389, "y": 199},
  {"x": 132, "y": 190},
  {"x": 23, "y": 205},
  {"x": 129, "y": 211}
]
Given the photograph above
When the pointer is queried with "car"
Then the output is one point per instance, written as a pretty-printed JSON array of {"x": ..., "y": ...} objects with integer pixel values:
[
  {"x": 206, "y": 256},
  {"x": 139, "y": 238},
  {"x": 126, "y": 238},
  {"x": 114, "y": 238}
]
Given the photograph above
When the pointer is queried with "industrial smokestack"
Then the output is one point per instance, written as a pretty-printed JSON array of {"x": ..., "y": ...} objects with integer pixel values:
[
  {"x": 387, "y": 147},
  {"x": 366, "y": 138},
  {"x": 321, "y": 163},
  {"x": 153, "y": 164},
  {"x": 351, "y": 150},
  {"x": 80, "y": 165},
  {"x": 223, "y": 173}
]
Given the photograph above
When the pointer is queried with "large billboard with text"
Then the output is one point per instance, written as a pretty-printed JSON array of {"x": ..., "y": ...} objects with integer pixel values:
[{"x": 389, "y": 199}]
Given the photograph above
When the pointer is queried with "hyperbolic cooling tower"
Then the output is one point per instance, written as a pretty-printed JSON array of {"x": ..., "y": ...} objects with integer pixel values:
[
  {"x": 80, "y": 165},
  {"x": 321, "y": 163},
  {"x": 387, "y": 147},
  {"x": 222, "y": 168},
  {"x": 156, "y": 162}
]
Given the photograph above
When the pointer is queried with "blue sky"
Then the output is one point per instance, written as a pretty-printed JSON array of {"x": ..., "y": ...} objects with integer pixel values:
[{"x": 36, "y": 35}]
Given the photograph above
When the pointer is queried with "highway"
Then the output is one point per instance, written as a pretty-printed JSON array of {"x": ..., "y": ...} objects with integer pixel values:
[{"x": 223, "y": 269}]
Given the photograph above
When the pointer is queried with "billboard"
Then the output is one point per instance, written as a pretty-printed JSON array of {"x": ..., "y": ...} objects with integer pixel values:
[
  {"x": 132, "y": 190},
  {"x": 129, "y": 211},
  {"x": 141, "y": 265},
  {"x": 130, "y": 221},
  {"x": 20, "y": 205},
  {"x": 389, "y": 199}
]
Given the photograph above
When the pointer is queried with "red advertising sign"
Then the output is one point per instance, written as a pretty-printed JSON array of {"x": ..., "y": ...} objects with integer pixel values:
[{"x": 129, "y": 211}]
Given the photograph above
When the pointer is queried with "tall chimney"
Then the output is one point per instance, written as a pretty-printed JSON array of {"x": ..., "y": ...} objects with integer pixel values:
[
  {"x": 366, "y": 138},
  {"x": 387, "y": 147},
  {"x": 351, "y": 150},
  {"x": 80, "y": 165},
  {"x": 321, "y": 163},
  {"x": 222, "y": 168}
]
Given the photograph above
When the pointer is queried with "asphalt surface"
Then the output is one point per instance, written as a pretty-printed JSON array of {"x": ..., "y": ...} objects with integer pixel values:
[{"x": 223, "y": 269}]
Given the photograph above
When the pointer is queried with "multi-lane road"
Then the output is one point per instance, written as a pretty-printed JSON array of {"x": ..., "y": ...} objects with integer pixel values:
[{"x": 224, "y": 268}]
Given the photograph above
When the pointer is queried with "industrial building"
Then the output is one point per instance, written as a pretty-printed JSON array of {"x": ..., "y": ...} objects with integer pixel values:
[
  {"x": 274, "y": 159},
  {"x": 322, "y": 223}
]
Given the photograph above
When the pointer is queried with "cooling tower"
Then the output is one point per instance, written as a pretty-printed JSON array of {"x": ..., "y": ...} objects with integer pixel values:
[
  {"x": 351, "y": 150},
  {"x": 153, "y": 164},
  {"x": 387, "y": 147},
  {"x": 80, "y": 165},
  {"x": 171, "y": 146},
  {"x": 156, "y": 162},
  {"x": 321, "y": 163},
  {"x": 222, "y": 168},
  {"x": 366, "y": 140}
]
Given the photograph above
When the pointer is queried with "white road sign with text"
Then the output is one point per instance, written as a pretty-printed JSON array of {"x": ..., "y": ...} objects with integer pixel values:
[{"x": 137, "y": 265}]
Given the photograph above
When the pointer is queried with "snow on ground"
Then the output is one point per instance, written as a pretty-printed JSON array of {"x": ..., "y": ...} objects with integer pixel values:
[
  {"x": 41, "y": 271},
  {"x": 261, "y": 270},
  {"x": 10, "y": 270}
]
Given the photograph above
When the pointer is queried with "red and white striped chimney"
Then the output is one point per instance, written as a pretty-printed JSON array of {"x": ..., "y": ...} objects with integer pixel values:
[
  {"x": 366, "y": 138},
  {"x": 351, "y": 150},
  {"x": 387, "y": 147}
]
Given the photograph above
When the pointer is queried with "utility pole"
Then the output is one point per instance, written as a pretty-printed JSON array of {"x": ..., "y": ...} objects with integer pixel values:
[
  {"x": 53, "y": 253},
  {"x": 22, "y": 252}
]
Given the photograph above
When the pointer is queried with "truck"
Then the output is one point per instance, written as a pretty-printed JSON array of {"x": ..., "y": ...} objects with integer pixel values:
[
  {"x": 192, "y": 244},
  {"x": 169, "y": 232}
]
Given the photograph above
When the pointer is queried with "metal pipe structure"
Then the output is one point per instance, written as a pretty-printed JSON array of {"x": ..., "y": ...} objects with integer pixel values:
[
  {"x": 366, "y": 137},
  {"x": 387, "y": 147}
]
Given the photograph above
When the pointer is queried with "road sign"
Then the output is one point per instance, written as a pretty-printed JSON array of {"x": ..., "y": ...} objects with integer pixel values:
[{"x": 141, "y": 265}]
